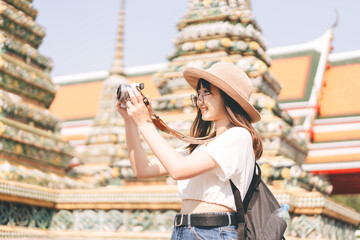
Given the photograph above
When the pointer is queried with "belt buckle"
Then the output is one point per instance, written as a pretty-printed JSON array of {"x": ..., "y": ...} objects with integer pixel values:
[
  {"x": 229, "y": 218},
  {"x": 181, "y": 221}
]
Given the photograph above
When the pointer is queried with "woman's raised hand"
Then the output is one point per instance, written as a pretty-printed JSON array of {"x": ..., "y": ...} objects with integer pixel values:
[{"x": 136, "y": 108}]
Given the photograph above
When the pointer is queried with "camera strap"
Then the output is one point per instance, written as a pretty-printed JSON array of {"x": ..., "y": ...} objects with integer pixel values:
[{"x": 161, "y": 125}]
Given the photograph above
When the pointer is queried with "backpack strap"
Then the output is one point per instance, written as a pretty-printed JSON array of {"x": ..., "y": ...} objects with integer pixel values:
[
  {"x": 240, "y": 211},
  {"x": 253, "y": 191},
  {"x": 241, "y": 207}
]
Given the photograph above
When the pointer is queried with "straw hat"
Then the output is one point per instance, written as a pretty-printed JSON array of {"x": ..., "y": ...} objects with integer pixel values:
[{"x": 229, "y": 78}]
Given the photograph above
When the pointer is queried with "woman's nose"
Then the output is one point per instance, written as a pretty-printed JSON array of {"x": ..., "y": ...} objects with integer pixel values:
[{"x": 200, "y": 99}]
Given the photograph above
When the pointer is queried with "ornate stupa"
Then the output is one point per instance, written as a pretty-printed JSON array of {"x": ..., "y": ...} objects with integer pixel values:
[
  {"x": 104, "y": 154},
  {"x": 105, "y": 144},
  {"x": 34, "y": 159},
  {"x": 45, "y": 189},
  {"x": 29, "y": 132}
]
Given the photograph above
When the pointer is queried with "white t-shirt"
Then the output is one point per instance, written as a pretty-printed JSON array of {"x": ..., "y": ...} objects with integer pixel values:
[{"x": 233, "y": 151}]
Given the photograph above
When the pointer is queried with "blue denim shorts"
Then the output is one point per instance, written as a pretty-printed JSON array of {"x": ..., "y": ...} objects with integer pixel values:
[{"x": 206, "y": 233}]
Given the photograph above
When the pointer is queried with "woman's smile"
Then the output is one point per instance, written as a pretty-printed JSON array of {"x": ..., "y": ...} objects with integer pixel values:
[{"x": 203, "y": 109}]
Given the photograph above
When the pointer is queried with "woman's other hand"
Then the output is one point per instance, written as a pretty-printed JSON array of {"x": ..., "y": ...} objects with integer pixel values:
[
  {"x": 136, "y": 108},
  {"x": 123, "y": 111}
]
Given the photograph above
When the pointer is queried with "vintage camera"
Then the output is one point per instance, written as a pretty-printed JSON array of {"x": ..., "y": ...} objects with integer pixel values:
[{"x": 122, "y": 95}]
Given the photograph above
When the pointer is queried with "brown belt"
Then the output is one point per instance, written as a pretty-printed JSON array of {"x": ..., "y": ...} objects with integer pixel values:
[{"x": 205, "y": 220}]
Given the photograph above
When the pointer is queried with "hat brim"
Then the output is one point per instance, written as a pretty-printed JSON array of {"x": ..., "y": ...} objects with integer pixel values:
[{"x": 192, "y": 76}]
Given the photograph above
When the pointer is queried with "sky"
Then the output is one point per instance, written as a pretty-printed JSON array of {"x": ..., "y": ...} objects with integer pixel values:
[{"x": 81, "y": 35}]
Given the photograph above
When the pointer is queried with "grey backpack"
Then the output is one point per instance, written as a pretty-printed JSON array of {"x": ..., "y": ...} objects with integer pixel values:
[{"x": 255, "y": 214}]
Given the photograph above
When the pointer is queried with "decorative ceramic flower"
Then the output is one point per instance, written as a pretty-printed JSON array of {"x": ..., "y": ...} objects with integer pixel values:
[
  {"x": 329, "y": 188},
  {"x": 222, "y": 3},
  {"x": 246, "y": 16},
  {"x": 212, "y": 44},
  {"x": 204, "y": 13},
  {"x": 250, "y": 30},
  {"x": 5, "y": 167},
  {"x": 243, "y": 64},
  {"x": 222, "y": 30},
  {"x": 260, "y": 51},
  {"x": 196, "y": 64},
  {"x": 295, "y": 171},
  {"x": 241, "y": 45},
  {"x": 238, "y": 30},
  {"x": 225, "y": 10},
  {"x": 260, "y": 66},
  {"x": 204, "y": 31},
  {"x": 313, "y": 180}
]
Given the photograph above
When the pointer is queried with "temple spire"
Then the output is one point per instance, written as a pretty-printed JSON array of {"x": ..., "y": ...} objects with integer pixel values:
[{"x": 117, "y": 67}]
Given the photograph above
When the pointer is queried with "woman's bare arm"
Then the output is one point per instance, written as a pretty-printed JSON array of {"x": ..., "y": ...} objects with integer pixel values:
[
  {"x": 142, "y": 166},
  {"x": 177, "y": 166}
]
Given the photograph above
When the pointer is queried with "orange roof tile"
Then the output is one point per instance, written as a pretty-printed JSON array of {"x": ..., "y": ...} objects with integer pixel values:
[
  {"x": 74, "y": 137},
  {"x": 340, "y": 95},
  {"x": 77, "y": 101},
  {"x": 293, "y": 74},
  {"x": 336, "y": 136},
  {"x": 333, "y": 158},
  {"x": 81, "y": 101}
]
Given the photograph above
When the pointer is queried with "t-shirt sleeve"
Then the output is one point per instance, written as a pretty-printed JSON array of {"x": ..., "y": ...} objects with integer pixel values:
[{"x": 232, "y": 150}]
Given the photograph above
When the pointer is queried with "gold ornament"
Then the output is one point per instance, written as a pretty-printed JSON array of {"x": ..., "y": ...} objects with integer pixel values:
[
  {"x": 18, "y": 149},
  {"x": 115, "y": 172},
  {"x": 266, "y": 169},
  {"x": 113, "y": 138},
  {"x": 2, "y": 38},
  {"x": 57, "y": 159},
  {"x": 2, "y": 127},
  {"x": 270, "y": 103},
  {"x": 226, "y": 42},
  {"x": 285, "y": 173},
  {"x": 254, "y": 46},
  {"x": 2, "y": 62},
  {"x": 200, "y": 45},
  {"x": 207, "y": 3},
  {"x": 226, "y": 59}
]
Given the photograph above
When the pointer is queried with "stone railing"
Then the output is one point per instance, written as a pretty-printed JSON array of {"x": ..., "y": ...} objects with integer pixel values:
[{"x": 139, "y": 212}]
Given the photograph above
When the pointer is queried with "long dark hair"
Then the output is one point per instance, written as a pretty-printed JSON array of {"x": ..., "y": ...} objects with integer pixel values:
[{"x": 236, "y": 115}]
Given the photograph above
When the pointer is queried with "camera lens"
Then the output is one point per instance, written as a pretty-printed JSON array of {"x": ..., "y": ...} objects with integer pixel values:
[{"x": 122, "y": 95}]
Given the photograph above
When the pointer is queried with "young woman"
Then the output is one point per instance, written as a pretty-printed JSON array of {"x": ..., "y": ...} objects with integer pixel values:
[{"x": 203, "y": 171}]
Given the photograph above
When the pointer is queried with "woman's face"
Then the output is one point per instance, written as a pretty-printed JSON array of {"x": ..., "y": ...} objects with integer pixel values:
[{"x": 211, "y": 103}]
